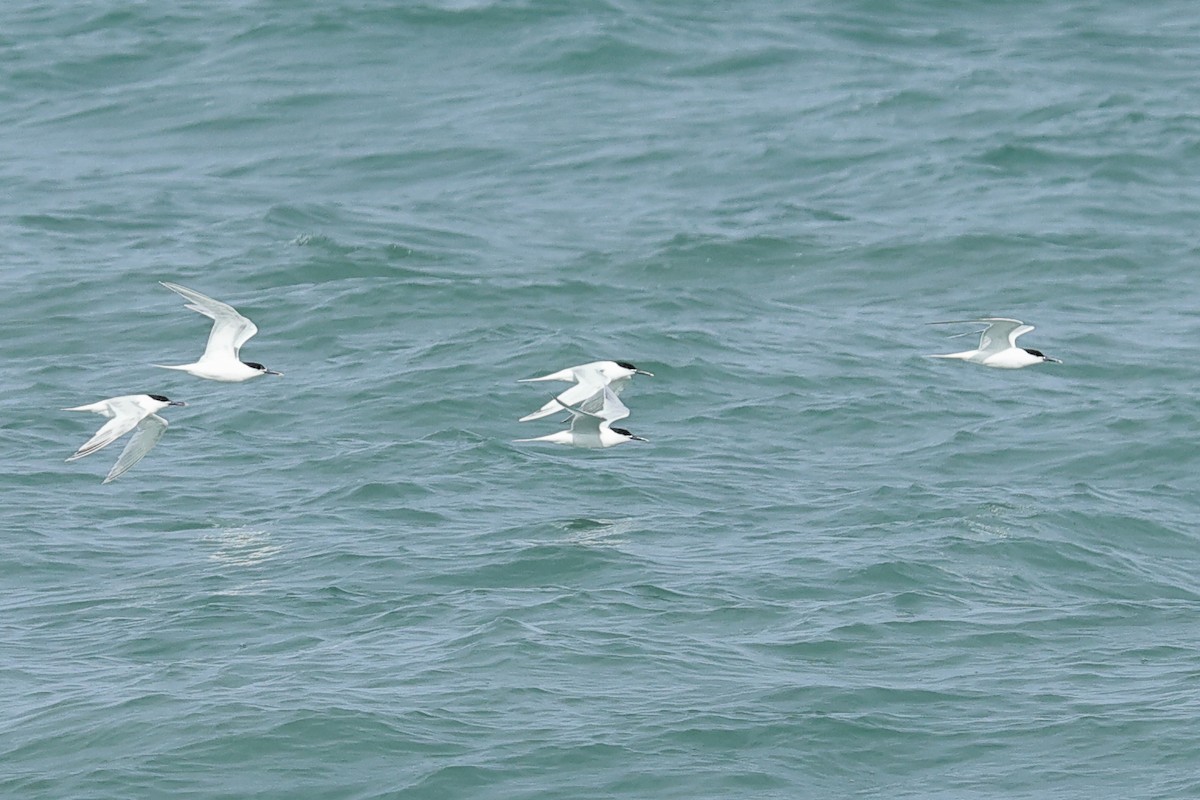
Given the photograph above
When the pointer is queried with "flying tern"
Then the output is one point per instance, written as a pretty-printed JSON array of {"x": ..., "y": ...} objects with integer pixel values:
[
  {"x": 588, "y": 378},
  {"x": 998, "y": 344},
  {"x": 124, "y": 414},
  {"x": 230, "y": 331},
  {"x": 591, "y": 422}
]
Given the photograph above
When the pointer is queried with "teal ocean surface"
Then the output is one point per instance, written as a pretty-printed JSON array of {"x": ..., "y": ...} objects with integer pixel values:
[{"x": 836, "y": 569}]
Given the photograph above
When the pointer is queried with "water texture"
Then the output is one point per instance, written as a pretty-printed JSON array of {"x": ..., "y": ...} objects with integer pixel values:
[{"x": 838, "y": 568}]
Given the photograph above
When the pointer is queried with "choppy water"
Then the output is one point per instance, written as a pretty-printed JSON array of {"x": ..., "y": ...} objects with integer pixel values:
[{"x": 837, "y": 570}]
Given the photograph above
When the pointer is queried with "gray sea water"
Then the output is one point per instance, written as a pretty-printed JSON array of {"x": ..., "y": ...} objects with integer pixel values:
[{"x": 837, "y": 569}]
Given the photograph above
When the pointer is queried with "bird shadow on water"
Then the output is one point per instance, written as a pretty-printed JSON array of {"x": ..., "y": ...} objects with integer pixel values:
[
  {"x": 240, "y": 546},
  {"x": 597, "y": 532},
  {"x": 574, "y": 530}
]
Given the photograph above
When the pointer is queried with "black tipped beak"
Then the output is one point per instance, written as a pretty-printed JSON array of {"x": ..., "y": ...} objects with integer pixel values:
[
  {"x": 1053, "y": 360},
  {"x": 643, "y": 372},
  {"x": 272, "y": 372},
  {"x": 177, "y": 403},
  {"x": 638, "y": 439}
]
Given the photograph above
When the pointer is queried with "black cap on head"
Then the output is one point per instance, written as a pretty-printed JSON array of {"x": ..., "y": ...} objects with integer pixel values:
[
  {"x": 1033, "y": 352},
  {"x": 160, "y": 398},
  {"x": 626, "y": 365},
  {"x": 254, "y": 365},
  {"x": 622, "y": 431}
]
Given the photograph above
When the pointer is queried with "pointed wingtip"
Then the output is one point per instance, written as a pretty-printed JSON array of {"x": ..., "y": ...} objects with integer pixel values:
[
  {"x": 575, "y": 412},
  {"x": 544, "y": 411}
]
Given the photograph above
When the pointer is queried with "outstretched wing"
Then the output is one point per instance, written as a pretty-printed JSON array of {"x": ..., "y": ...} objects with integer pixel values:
[
  {"x": 143, "y": 440},
  {"x": 573, "y": 396},
  {"x": 230, "y": 329},
  {"x": 125, "y": 417},
  {"x": 574, "y": 374},
  {"x": 602, "y": 406},
  {"x": 581, "y": 421},
  {"x": 610, "y": 408},
  {"x": 1000, "y": 333},
  {"x": 1020, "y": 330}
]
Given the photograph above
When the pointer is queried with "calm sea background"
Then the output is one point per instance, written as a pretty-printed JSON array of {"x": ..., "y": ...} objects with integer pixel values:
[{"x": 838, "y": 568}]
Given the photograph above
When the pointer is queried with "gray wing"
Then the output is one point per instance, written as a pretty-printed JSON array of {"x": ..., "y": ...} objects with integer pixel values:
[
  {"x": 611, "y": 408},
  {"x": 1001, "y": 332},
  {"x": 582, "y": 423},
  {"x": 126, "y": 416},
  {"x": 572, "y": 396},
  {"x": 585, "y": 417},
  {"x": 230, "y": 329},
  {"x": 602, "y": 405},
  {"x": 143, "y": 440},
  {"x": 1020, "y": 330}
]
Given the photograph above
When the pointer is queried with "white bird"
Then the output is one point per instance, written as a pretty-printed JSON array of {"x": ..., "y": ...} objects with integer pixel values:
[
  {"x": 588, "y": 378},
  {"x": 124, "y": 414},
  {"x": 230, "y": 331},
  {"x": 998, "y": 344},
  {"x": 591, "y": 423}
]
